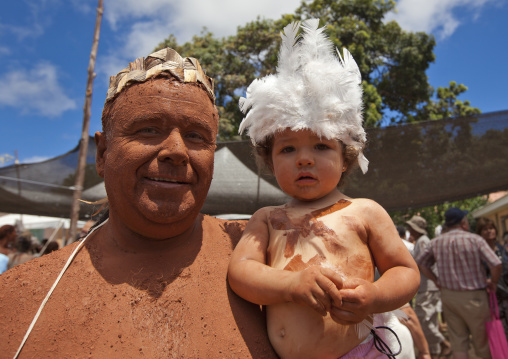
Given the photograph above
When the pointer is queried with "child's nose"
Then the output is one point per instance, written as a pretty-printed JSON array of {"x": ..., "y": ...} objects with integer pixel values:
[{"x": 304, "y": 160}]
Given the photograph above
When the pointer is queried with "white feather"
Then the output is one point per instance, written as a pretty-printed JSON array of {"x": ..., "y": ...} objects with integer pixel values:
[
  {"x": 312, "y": 89},
  {"x": 363, "y": 328},
  {"x": 288, "y": 51}
]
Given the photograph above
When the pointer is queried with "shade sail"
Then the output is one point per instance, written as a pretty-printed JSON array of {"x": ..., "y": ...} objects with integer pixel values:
[{"x": 411, "y": 166}]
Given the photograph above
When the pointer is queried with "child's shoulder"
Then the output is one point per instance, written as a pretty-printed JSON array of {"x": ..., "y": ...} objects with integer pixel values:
[
  {"x": 367, "y": 208},
  {"x": 365, "y": 203},
  {"x": 264, "y": 212}
]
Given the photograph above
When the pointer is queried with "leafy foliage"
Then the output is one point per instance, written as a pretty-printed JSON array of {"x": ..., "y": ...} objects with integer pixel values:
[
  {"x": 393, "y": 64},
  {"x": 447, "y": 105},
  {"x": 434, "y": 215}
]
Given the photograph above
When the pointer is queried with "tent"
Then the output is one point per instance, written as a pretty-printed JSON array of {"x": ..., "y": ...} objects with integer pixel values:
[
  {"x": 411, "y": 166},
  {"x": 40, "y": 226}
]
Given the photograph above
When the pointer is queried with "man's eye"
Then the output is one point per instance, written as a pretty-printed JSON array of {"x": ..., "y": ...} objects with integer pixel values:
[
  {"x": 194, "y": 136},
  {"x": 287, "y": 149},
  {"x": 149, "y": 130}
]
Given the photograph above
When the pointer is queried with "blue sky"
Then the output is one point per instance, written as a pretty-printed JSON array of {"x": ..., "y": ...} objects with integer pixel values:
[{"x": 45, "y": 47}]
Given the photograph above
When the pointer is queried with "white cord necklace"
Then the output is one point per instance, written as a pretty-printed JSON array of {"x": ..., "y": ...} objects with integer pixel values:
[{"x": 43, "y": 304}]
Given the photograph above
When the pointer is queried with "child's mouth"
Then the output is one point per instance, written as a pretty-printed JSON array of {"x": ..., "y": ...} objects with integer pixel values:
[{"x": 306, "y": 178}]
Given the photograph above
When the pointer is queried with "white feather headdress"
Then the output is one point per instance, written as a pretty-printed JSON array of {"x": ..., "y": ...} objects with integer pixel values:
[{"x": 312, "y": 89}]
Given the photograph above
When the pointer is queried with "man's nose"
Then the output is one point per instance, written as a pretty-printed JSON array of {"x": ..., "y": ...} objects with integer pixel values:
[{"x": 174, "y": 149}]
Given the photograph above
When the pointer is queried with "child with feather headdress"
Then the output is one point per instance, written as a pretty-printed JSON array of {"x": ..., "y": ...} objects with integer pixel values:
[{"x": 312, "y": 260}]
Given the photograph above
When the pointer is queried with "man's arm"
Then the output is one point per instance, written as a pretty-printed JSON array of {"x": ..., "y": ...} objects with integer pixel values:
[
  {"x": 494, "y": 263},
  {"x": 429, "y": 274},
  {"x": 425, "y": 261},
  {"x": 495, "y": 274},
  {"x": 414, "y": 326}
]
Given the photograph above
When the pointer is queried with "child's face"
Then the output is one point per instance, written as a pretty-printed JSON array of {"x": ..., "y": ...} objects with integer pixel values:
[{"x": 306, "y": 166}]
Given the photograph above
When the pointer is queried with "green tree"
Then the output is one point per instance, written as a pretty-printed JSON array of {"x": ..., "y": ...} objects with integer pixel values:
[
  {"x": 446, "y": 105},
  {"x": 434, "y": 215},
  {"x": 393, "y": 64},
  {"x": 392, "y": 61}
]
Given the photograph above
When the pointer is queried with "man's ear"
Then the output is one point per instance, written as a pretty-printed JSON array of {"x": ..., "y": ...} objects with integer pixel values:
[{"x": 100, "y": 157}]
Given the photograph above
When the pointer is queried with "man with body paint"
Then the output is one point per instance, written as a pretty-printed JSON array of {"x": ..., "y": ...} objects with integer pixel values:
[
  {"x": 150, "y": 280},
  {"x": 312, "y": 260}
]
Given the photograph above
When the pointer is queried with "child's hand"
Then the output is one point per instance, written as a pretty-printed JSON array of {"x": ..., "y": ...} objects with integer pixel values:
[
  {"x": 358, "y": 301},
  {"x": 317, "y": 288}
]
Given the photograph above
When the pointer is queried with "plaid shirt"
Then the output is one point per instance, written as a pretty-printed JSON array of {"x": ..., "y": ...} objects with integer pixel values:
[{"x": 459, "y": 255}]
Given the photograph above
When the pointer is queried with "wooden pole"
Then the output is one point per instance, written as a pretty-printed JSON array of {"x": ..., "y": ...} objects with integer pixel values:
[{"x": 83, "y": 144}]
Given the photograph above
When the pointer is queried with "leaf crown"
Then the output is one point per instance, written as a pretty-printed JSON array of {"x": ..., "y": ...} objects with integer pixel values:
[{"x": 167, "y": 61}]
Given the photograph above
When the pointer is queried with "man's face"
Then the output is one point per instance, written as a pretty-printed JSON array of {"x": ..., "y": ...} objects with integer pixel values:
[{"x": 157, "y": 159}]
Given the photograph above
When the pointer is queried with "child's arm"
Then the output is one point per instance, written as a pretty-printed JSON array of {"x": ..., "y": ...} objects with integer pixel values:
[
  {"x": 256, "y": 282},
  {"x": 399, "y": 279}
]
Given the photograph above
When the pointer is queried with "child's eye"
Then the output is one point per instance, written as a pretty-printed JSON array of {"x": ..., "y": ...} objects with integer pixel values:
[
  {"x": 287, "y": 149},
  {"x": 321, "y": 147}
]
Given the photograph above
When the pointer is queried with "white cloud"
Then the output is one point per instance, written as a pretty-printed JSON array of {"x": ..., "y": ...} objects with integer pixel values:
[
  {"x": 118, "y": 10},
  {"x": 32, "y": 30},
  {"x": 83, "y": 6},
  {"x": 187, "y": 18},
  {"x": 144, "y": 24},
  {"x": 435, "y": 16},
  {"x": 36, "y": 91}
]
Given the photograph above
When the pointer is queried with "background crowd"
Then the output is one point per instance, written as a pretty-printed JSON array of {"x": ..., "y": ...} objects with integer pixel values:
[
  {"x": 459, "y": 268},
  {"x": 16, "y": 249}
]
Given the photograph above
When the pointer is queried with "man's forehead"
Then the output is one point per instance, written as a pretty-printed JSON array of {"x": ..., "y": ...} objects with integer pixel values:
[{"x": 165, "y": 100}]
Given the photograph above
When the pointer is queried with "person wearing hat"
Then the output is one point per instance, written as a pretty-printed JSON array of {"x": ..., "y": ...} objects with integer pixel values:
[
  {"x": 458, "y": 255},
  {"x": 428, "y": 296},
  {"x": 149, "y": 280}
]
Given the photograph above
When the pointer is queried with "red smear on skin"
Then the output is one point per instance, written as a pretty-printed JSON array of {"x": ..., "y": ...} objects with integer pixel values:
[
  {"x": 296, "y": 264},
  {"x": 330, "y": 209},
  {"x": 306, "y": 225}
]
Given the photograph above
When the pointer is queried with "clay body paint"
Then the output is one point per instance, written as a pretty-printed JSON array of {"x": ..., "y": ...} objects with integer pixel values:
[
  {"x": 157, "y": 157},
  {"x": 347, "y": 252},
  {"x": 297, "y": 264},
  {"x": 304, "y": 226}
]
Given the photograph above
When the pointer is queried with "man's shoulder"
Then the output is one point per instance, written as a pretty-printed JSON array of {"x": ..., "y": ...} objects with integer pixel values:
[
  {"x": 224, "y": 228},
  {"x": 37, "y": 270},
  {"x": 424, "y": 238},
  {"x": 460, "y": 233}
]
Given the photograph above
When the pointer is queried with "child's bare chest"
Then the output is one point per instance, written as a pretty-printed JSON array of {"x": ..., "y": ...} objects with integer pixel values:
[{"x": 330, "y": 237}]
